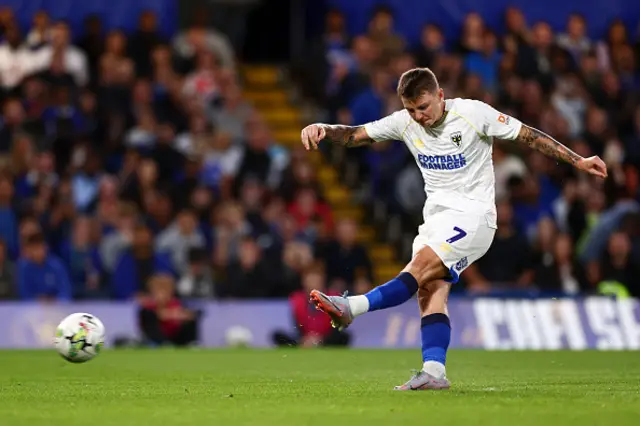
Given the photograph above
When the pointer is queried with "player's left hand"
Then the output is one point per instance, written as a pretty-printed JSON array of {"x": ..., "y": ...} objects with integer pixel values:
[{"x": 593, "y": 165}]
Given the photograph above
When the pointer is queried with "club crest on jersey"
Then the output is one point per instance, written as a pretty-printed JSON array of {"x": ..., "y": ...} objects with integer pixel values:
[
  {"x": 504, "y": 119},
  {"x": 456, "y": 138}
]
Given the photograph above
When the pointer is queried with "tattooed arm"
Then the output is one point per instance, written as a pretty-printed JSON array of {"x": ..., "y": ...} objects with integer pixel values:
[
  {"x": 544, "y": 143},
  {"x": 347, "y": 136}
]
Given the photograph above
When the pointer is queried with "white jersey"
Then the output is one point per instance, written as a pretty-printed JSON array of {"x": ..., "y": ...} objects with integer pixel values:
[{"x": 455, "y": 158}]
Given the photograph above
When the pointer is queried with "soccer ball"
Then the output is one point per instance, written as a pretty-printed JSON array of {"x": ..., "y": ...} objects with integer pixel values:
[
  {"x": 79, "y": 337},
  {"x": 238, "y": 336}
]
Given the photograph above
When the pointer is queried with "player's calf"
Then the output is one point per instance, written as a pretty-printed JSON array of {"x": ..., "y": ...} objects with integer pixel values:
[
  {"x": 423, "y": 269},
  {"x": 343, "y": 310}
]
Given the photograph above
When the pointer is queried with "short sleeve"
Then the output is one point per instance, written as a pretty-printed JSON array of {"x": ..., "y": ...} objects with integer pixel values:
[
  {"x": 497, "y": 124},
  {"x": 389, "y": 128}
]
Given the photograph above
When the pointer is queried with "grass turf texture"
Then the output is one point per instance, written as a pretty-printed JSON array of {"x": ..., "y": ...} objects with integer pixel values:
[{"x": 316, "y": 387}]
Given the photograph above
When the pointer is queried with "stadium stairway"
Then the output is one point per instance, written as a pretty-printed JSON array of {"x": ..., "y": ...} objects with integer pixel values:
[{"x": 268, "y": 88}]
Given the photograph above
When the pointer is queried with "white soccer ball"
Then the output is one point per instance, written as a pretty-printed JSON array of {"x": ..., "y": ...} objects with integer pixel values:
[
  {"x": 238, "y": 336},
  {"x": 79, "y": 337}
]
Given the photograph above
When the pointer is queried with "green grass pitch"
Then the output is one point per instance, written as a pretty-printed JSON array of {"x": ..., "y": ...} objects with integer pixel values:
[{"x": 317, "y": 387}]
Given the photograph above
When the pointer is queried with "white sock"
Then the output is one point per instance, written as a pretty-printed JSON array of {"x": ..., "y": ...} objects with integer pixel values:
[
  {"x": 435, "y": 369},
  {"x": 358, "y": 305}
]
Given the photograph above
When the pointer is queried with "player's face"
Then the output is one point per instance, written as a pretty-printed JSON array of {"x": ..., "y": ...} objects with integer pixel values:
[{"x": 426, "y": 109}]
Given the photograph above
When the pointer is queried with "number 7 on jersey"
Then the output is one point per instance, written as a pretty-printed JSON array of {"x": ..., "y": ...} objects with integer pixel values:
[{"x": 460, "y": 234}]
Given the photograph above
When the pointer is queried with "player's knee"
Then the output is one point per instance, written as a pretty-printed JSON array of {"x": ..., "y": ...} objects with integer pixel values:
[{"x": 426, "y": 267}]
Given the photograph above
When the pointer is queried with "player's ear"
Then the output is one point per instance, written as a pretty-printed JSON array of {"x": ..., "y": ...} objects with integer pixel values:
[{"x": 441, "y": 93}]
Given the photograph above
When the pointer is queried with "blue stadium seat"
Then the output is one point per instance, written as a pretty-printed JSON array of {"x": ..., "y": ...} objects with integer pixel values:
[{"x": 115, "y": 13}]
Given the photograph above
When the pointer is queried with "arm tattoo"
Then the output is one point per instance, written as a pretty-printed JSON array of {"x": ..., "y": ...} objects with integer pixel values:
[
  {"x": 347, "y": 136},
  {"x": 547, "y": 145}
]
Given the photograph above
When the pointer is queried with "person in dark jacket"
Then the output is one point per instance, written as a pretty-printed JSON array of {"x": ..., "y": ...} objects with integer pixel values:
[{"x": 562, "y": 273}]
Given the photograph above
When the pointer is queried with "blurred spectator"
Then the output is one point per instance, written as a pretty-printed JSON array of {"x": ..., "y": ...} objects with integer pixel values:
[
  {"x": 162, "y": 317},
  {"x": 29, "y": 226},
  {"x": 252, "y": 195},
  {"x": 381, "y": 32},
  {"x": 297, "y": 257},
  {"x": 231, "y": 114},
  {"x": 197, "y": 281},
  {"x": 371, "y": 104},
  {"x": 16, "y": 60},
  {"x": 505, "y": 166},
  {"x": 608, "y": 222},
  {"x": 260, "y": 158},
  {"x": 74, "y": 60},
  {"x": 13, "y": 117},
  {"x": 485, "y": 61},
  {"x": 528, "y": 205},
  {"x": 561, "y": 273},
  {"x": 116, "y": 242},
  {"x": 306, "y": 206},
  {"x": 300, "y": 174},
  {"x": 349, "y": 79},
  {"x": 409, "y": 190},
  {"x": 518, "y": 33},
  {"x": 197, "y": 39},
  {"x": 569, "y": 100},
  {"x": 114, "y": 58},
  {"x": 618, "y": 271},
  {"x": 616, "y": 38},
  {"x": 251, "y": 275},
  {"x": 508, "y": 243},
  {"x": 143, "y": 41},
  {"x": 142, "y": 135},
  {"x": 140, "y": 181},
  {"x": 92, "y": 43},
  {"x": 203, "y": 84},
  {"x": 346, "y": 259},
  {"x": 41, "y": 275},
  {"x": 86, "y": 182},
  {"x": 137, "y": 264},
  {"x": 7, "y": 274},
  {"x": 544, "y": 243},
  {"x": 432, "y": 43},
  {"x": 575, "y": 39},
  {"x": 229, "y": 228},
  {"x": 179, "y": 238},
  {"x": 312, "y": 327},
  {"x": 471, "y": 39},
  {"x": 40, "y": 33},
  {"x": 8, "y": 218},
  {"x": 328, "y": 57},
  {"x": 80, "y": 255},
  {"x": 165, "y": 156}
]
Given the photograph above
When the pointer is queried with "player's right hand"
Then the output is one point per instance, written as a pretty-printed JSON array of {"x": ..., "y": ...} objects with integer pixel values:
[{"x": 312, "y": 135}]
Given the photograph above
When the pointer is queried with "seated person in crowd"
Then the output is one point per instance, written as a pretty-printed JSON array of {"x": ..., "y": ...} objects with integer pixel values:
[
  {"x": 162, "y": 317},
  {"x": 42, "y": 275}
]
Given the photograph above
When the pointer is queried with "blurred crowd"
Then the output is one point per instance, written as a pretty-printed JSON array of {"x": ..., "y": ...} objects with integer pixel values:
[
  {"x": 131, "y": 167},
  {"x": 559, "y": 231}
]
